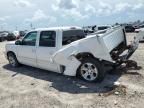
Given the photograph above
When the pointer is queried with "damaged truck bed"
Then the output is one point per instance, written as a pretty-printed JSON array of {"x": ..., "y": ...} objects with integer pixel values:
[{"x": 108, "y": 46}]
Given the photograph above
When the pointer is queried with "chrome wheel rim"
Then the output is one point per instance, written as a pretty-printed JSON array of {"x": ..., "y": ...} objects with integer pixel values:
[
  {"x": 12, "y": 61},
  {"x": 89, "y": 71}
]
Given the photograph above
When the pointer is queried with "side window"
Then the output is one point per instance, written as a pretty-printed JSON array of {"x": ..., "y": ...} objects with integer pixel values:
[
  {"x": 30, "y": 39},
  {"x": 71, "y": 36},
  {"x": 47, "y": 39}
]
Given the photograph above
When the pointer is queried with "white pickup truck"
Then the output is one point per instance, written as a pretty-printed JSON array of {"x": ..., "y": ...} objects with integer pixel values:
[{"x": 68, "y": 51}]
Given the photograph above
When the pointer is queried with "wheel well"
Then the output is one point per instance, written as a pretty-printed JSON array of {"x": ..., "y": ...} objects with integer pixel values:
[
  {"x": 10, "y": 52},
  {"x": 83, "y": 55}
]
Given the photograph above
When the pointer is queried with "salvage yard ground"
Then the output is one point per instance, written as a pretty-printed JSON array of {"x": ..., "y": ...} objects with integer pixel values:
[{"x": 28, "y": 87}]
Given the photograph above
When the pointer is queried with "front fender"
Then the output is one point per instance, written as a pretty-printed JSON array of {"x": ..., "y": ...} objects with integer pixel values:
[{"x": 11, "y": 48}]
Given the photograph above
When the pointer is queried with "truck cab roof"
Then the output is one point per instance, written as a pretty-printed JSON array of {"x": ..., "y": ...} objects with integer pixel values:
[{"x": 59, "y": 28}]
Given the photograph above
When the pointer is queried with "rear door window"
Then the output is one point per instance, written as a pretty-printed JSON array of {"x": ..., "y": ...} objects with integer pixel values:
[
  {"x": 71, "y": 36},
  {"x": 47, "y": 39}
]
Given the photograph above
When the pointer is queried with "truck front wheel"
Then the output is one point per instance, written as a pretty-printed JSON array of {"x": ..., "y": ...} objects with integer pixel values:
[
  {"x": 91, "y": 70},
  {"x": 13, "y": 60}
]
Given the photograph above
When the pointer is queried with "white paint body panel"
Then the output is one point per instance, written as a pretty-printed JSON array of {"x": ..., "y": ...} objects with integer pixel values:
[
  {"x": 99, "y": 46},
  {"x": 52, "y": 58},
  {"x": 27, "y": 55},
  {"x": 113, "y": 39},
  {"x": 44, "y": 59}
]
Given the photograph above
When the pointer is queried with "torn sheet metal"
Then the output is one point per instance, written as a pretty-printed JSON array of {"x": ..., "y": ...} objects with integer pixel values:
[
  {"x": 69, "y": 61},
  {"x": 99, "y": 46}
]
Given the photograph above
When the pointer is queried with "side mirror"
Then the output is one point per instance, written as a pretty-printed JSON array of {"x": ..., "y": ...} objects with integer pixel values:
[{"x": 18, "y": 42}]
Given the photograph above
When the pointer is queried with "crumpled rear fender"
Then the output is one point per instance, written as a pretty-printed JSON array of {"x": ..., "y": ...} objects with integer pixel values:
[{"x": 66, "y": 57}]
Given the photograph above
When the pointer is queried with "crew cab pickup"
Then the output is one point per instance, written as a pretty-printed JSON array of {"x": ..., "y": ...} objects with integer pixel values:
[{"x": 67, "y": 50}]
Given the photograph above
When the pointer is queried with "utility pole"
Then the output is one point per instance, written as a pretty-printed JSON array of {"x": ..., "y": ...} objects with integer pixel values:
[
  {"x": 31, "y": 26},
  {"x": 16, "y": 28}
]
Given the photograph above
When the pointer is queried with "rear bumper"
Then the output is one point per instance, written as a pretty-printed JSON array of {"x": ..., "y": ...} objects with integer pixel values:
[
  {"x": 125, "y": 53},
  {"x": 130, "y": 52}
]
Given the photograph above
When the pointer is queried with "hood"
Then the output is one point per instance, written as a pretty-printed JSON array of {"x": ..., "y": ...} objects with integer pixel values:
[{"x": 11, "y": 43}]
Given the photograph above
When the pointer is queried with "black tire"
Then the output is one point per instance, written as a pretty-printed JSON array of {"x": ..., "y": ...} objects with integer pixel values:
[
  {"x": 13, "y": 60},
  {"x": 99, "y": 77},
  {"x": 1, "y": 39}
]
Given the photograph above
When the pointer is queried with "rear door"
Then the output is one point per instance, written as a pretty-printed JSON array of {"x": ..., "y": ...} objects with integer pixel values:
[{"x": 45, "y": 50}]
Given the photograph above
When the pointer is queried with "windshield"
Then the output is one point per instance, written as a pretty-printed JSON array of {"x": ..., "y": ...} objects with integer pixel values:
[{"x": 72, "y": 35}]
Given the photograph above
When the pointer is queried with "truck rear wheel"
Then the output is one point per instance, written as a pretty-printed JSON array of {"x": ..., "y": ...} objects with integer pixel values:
[{"x": 91, "y": 70}]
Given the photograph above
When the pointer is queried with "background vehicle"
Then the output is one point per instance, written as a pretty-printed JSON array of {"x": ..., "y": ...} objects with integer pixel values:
[
  {"x": 68, "y": 51},
  {"x": 16, "y": 34},
  {"x": 141, "y": 28},
  {"x": 102, "y": 27},
  {"x": 92, "y": 29},
  {"x": 3, "y": 36},
  {"x": 129, "y": 28},
  {"x": 89, "y": 29},
  {"x": 10, "y": 37},
  {"x": 19, "y": 34},
  {"x": 22, "y": 33}
]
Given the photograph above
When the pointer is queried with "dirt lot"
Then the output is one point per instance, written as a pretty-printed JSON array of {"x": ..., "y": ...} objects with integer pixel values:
[{"x": 28, "y": 87}]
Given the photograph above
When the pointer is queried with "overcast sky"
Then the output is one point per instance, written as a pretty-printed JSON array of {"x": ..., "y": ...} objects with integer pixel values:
[{"x": 47, "y": 13}]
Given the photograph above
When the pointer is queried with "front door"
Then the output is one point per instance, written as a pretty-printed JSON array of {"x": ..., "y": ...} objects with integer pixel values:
[{"x": 27, "y": 51}]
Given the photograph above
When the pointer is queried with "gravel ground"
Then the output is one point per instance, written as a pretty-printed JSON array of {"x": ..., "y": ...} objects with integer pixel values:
[{"x": 28, "y": 87}]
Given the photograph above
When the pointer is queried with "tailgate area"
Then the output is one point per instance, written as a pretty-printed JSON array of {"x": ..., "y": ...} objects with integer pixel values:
[{"x": 114, "y": 38}]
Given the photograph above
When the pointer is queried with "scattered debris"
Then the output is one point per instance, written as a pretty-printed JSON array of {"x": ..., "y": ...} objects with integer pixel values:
[
  {"x": 116, "y": 93},
  {"x": 32, "y": 84},
  {"x": 100, "y": 94},
  {"x": 131, "y": 64},
  {"x": 123, "y": 69},
  {"x": 133, "y": 73},
  {"x": 116, "y": 89},
  {"x": 14, "y": 74},
  {"x": 115, "y": 103},
  {"x": 83, "y": 87},
  {"x": 117, "y": 83}
]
